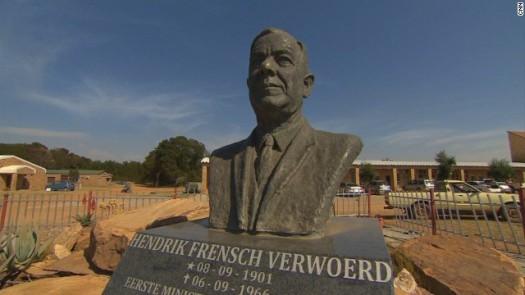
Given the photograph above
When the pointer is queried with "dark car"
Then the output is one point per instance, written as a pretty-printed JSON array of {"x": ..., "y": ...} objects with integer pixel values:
[
  {"x": 379, "y": 187},
  {"x": 419, "y": 185},
  {"x": 63, "y": 185}
]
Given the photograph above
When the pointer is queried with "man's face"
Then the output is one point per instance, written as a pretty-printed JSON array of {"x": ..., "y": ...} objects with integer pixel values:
[{"x": 277, "y": 74}]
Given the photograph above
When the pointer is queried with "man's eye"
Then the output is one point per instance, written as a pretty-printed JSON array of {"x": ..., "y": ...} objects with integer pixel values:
[{"x": 284, "y": 61}]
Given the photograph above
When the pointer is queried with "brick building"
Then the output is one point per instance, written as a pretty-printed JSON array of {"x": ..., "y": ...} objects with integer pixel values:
[
  {"x": 19, "y": 174},
  {"x": 399, "y": 173},
  {"x": 89, "y": 178},
  {"x": 517, "y": 146}
]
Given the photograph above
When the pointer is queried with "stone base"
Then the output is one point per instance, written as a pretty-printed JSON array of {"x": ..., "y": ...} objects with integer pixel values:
[{"x": 190, "y": 258}]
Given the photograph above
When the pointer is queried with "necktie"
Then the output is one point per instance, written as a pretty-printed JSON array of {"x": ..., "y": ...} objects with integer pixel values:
[{"x": 265, "y": 159}]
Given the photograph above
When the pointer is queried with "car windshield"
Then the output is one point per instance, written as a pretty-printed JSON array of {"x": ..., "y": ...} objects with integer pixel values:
[{"x": 464, "y": 188}]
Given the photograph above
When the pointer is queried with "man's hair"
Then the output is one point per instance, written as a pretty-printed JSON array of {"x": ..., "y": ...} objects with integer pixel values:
[{"x": 267, "y": 31}]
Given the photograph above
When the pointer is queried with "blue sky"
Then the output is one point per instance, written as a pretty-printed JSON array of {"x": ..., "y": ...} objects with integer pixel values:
[{"x": 111, "y": 79}]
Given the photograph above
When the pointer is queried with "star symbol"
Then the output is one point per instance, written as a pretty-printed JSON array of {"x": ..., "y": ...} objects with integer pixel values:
[{"x": 191, "y": 265}]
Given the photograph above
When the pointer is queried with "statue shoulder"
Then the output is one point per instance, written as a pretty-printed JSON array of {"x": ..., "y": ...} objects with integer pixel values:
[
  {"x": 339, "y": 140},
  {"x": 230, "y": 150}
]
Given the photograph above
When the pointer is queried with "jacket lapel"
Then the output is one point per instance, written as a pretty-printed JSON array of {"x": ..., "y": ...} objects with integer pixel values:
[
  {"x": 292, "y": 161},
  {"x": 244, "y": 174}
]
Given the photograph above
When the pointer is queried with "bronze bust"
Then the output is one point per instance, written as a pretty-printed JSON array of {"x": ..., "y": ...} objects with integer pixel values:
[{"x": 283, "y": 177}]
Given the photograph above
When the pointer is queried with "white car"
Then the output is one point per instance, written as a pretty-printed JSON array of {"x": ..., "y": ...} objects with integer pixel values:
[
  {"x": 350, "y": 190},
  {"x": 379, "y": 187},
  {"x": 504, "y": 187}
]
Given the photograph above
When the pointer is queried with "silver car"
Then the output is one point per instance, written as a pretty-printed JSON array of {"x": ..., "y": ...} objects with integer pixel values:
[{"x": 379, "y": 187}]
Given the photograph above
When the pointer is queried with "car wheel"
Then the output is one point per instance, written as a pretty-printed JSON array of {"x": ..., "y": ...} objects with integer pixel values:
[
  {"x": 510, "y": 213},
  {"x": 420, "y": 211}
]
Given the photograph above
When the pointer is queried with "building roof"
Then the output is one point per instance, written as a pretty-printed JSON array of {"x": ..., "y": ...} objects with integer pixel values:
[
  {"x": 80, "y": 172},
  {"x": 3, "y": 157},
  {"x": 15, "y": 169},
  {"x": 427, "y": 164}
]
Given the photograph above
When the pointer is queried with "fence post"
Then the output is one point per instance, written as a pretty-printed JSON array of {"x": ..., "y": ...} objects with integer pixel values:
[
  {"x": 4, "y": 211},
  {"x": 521, "y": 193},
  {"x": 369, "y": 202},
  {"x": 433, "y": 211}
]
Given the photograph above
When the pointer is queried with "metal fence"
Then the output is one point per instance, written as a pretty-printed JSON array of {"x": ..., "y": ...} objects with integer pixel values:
[
  {"x": 346, "y": 204},
  {"x": 59, "y": 209},
  {"x": 495, "y": 221}
]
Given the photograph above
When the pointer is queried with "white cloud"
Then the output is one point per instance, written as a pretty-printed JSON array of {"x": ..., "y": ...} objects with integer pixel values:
[
  {"x": 464, "y": 145},
  {"x": 409, "y": 137},
  {"x": 467, "y": 137},
  {"x": 95, "y": 99},
  {"x": 45, "y": 133}
]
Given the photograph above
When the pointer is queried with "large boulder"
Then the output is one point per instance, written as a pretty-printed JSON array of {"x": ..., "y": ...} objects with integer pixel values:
[
  {"x": 458, "y": 265},
  {"x": 82, "y": 242},
  {"x": 76, "y": 263},
  {"x": 109, "y": 238},
  {"x": 68, "y": 236},
  {"x": 85, "y": 285}
]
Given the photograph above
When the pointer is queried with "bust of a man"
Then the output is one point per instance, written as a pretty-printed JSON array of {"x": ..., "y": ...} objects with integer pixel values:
[{"x": 283, "y": 177}]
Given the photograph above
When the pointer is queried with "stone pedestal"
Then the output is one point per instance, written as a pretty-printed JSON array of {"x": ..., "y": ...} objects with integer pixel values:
[{"x": 189, "y": 258}]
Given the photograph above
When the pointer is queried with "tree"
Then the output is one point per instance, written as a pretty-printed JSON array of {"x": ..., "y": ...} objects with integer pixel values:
[
  {"x": 74, "y": 175},
  {"x": 367, "y": 174},
  {"x": 500, "y": 170},
  {"x": 446, "y": 165},
  {"x": 174, "y": 158}
]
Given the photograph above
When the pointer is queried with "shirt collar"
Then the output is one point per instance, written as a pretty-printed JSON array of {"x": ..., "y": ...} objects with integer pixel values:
[{"x": 282, "y": 136}]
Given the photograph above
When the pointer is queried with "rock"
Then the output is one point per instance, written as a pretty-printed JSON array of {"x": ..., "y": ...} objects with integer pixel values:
[
  {"x": 76, "y": 263},
  {"x": 109, "y": 238},
  {"x": 405, "y": 284},
  {"x": 38, "y": 270},
  {"x": 458, "y": 265},
  {"x": 83, "y": 239},
  {"x": 60, "y": 251},
  {"x": 68, "y": 236},
  {"x": 85, "y": 285}
]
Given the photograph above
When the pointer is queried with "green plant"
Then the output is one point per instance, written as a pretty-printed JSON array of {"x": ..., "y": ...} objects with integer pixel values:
[
  {"x": 19, "y": 250},
  {"x": 84, "y": 220}
]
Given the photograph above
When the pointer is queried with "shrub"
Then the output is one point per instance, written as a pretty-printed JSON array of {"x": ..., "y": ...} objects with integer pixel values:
[
  {"x": 84, "y": 220},
  {"x": 19, "y": 250}
]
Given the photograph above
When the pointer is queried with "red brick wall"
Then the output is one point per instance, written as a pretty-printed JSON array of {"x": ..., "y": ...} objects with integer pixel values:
[{"x": 26, "y": 179}]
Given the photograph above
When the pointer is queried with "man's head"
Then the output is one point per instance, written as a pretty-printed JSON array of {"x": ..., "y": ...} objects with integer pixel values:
[{"x": 278, "y": 78}]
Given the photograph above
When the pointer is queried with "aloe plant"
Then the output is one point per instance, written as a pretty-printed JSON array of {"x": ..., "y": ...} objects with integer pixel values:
[
  {"x": 84, "y": 220},
  {"x": 19, "y": 250}
]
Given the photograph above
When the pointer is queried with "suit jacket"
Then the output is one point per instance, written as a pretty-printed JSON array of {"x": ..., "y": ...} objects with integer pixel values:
[{"x": 298, "y": 194}]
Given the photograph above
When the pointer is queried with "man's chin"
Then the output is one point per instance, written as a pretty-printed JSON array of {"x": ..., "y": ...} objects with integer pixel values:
[{"x": 272, "y": 102}]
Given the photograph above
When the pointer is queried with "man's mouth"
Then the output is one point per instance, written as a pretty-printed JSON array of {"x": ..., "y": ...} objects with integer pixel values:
[{"x": 269, "y": 85}]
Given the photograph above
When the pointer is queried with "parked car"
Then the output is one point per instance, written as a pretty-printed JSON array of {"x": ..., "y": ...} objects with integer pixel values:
[
  {"x": 504, "y": 187},
  {"x": 379, "y": 187},
  {"x": 419, "y": 185},
  {"x": 126, "y": 188},
  {"x": 492, "y": 185},
  {"x": 480, "y": 185},
  {"x": 193, "y": 187},
  {"x": 350, "y": 189},
  {"x": 457, "y": 197},
  {"x": 62, "y": 185}
]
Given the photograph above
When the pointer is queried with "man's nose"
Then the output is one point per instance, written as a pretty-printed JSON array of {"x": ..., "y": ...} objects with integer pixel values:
[{"x": 268, "y": 67}]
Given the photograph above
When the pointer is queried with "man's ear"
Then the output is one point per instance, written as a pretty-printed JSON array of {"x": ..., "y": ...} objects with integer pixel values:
[{"x": 308, "y": 84}]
